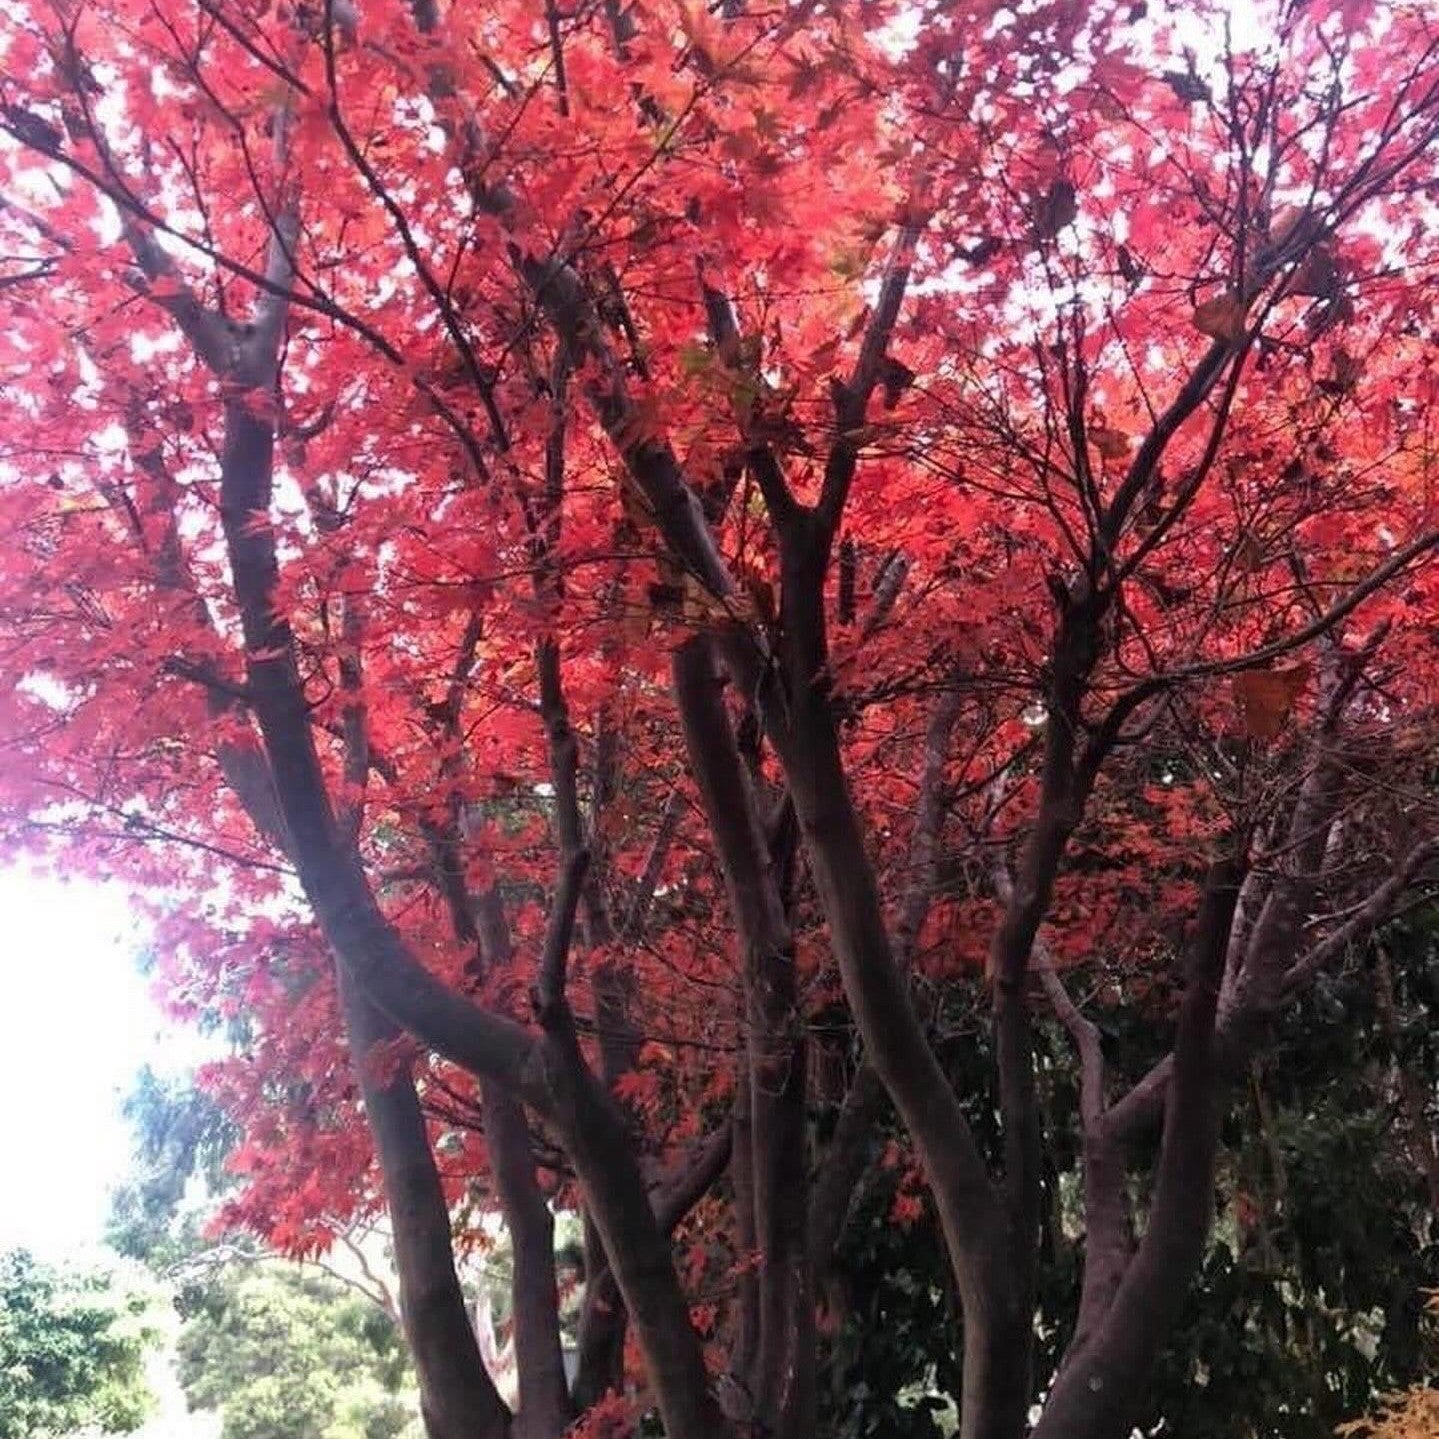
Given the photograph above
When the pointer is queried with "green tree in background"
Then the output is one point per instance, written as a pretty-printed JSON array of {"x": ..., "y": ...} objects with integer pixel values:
[
  {"x": 181, "y": 1141},
  {"x": 72, "y": 1351},
  {"x": 1312, "y": 1297},
  {"x": 1312, "y": 1293},
  {"x": 282, "y": 1355}
]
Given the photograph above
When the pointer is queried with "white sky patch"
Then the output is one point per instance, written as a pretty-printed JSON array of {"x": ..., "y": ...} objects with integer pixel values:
[
  {"x": 49, "y": 690},
  {"x": 78, "y": 1022}
]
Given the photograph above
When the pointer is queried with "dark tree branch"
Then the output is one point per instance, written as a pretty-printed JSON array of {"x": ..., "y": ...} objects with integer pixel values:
[
  {"x": 759, "y": 455},
  {"x": 850, "y": 1150},
  {"x": 549, "y": 996},
  {"x": 1100, "y": 1388},
  {"x": 1377, "y": 908},
  {"x": 602, "y": 1322},
  {"x": 1108, "y": 1232},
  {"x": 781, "y": 1378},
  {"x": 480, "y": 925},
  {"x": 852, "y": 398},
  {"x": 457, "y": 1396},
  {"x": 1110, "y": 730}
]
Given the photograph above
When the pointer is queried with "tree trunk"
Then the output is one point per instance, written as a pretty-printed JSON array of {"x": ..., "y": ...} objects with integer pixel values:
[
  {"x": 544, "y": 1410},
  {"x": 602, "y": 1326},
  {"x": 457, "y": 1396},
  {"x": 744, "y": 1346},
  {"x": 781, "y": 1373},
  {"x": 982, "y": 1248},
  {"x": 596, "y": 1138},
  {"x": 1100, "y": 1388},
  {"x": 544, "y": 1397}
]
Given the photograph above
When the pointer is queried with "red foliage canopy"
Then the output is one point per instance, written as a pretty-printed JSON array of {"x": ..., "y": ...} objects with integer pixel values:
[{"x": 891, "y": 503}]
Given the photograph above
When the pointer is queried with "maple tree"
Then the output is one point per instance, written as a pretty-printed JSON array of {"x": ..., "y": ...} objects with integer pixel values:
[{"x": 641, "y": 570}]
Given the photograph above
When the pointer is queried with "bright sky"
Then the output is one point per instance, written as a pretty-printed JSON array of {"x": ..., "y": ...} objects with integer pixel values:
[{"x": 77, "y": 1023}]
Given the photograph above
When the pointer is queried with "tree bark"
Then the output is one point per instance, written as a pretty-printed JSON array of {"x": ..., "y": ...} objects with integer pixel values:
[
  {"x": 596, "y": 1138},
  {"x": 781, "y": 1378},
  {"x": 544, "y": 1411},
  {"x": 602, "y": 1326},
  {"x": 457, "y": 1396},
  {"x": 998, "y": 1320},
  {"x": 744, "y": 1345},
  {"x": 997, "y": 1324},
  {"x": 671, "y": 1203},
  {"x": 1100, "y": 1388},
  {"x": 850, "y": 1152},
  {"x": 544, "y": 1399}
]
